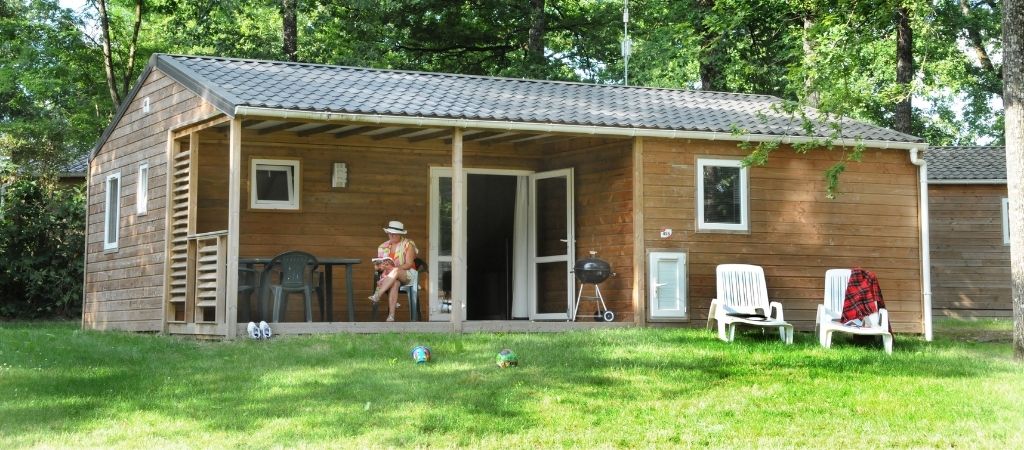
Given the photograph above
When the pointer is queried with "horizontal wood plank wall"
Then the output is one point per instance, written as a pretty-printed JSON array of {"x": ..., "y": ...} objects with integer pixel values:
[
  {"x": 796, "y": 233},
  {"x": 387, "y": 180},
  {"x": 124, "y": 288},
  {"x": 970, "y": 263},
  {"x": 603, "y": 172}
]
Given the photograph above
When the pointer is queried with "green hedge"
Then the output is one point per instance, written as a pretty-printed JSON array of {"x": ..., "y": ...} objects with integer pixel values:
[{"x": 42, "y": 239}]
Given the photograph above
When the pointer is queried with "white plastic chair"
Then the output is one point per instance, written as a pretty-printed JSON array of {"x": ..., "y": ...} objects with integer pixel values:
[
  {"x": 742, "y": 290},
  {"x": 831, "y": 310}
]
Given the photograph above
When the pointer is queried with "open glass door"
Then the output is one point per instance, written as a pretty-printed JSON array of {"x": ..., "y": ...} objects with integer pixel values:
[
  {"x": 440, "y": 299},
  {"x": 552, "y": 244}
]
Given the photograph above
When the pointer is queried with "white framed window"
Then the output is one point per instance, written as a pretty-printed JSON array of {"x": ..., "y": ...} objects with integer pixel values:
[
  {"x": 1006, "y": 221},
  {"x": 142, "y": 190},
  {"x": 722, "y": 195},
  {"x": 275, "y": 184},
  {"x": 112, "y": 212}
]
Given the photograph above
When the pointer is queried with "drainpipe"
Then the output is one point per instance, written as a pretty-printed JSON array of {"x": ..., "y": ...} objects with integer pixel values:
[{"x": 926, "y": 264}]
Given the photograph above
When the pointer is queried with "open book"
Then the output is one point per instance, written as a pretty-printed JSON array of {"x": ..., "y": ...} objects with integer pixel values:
[{"x": 383, "y": 260}]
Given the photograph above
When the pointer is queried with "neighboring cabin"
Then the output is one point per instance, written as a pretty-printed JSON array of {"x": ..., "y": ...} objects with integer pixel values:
[
  {"x": 970, "y": 252},
  {"x": 503, "y": 183},
  {"x": 74, "y": 173}
]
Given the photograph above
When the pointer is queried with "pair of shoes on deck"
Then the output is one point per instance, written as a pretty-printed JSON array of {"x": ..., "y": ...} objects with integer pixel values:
[{"x": 261, "y": 331}]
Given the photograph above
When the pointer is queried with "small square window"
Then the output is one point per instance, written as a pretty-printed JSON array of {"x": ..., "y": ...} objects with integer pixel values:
[
  {"x": 275, "y": 184},
  {"x": 112, "y": 212},
  {"x": 142, "y": 190},
  {"x": 1006, "y": 221},
  {"x": 722, "y": 199}
]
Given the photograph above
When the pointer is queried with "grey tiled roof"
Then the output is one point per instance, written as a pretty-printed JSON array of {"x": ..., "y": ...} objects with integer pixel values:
[
  {"x": 312, "y": 87},
  {"x": 966, "y": 163},
  {"x": 77, "y": 167}
]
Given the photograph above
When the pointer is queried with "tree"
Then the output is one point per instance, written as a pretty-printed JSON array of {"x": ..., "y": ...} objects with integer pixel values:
[
  {"x": 117, "y": 92},
  {"x": 42, "y": 240},
  {"x": 289, "y": 29},
  {"x": 904, "y": 70},
  {"x": 229, "y": 28},
  {"x": 52, "y": 101},
  {"x": 1013, "y": 102}
]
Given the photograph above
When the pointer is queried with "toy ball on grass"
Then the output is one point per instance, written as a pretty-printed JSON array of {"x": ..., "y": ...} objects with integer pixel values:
[
  {"x": 507, "y": 358},
  {"x": 421, "y": 354}
]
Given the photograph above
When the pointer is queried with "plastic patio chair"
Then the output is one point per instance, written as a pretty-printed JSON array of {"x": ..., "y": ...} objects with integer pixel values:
[
  {"x": 412, "y": 290},
  {"x": 742, "y": 297},
  {"x": 248, "y": 283},
  {"x": 826, "y": 321},
  {"x": 297, "y": 274}
]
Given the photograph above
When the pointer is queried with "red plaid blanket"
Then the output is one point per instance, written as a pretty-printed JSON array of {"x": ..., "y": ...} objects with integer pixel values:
[{"x": 863, "y": 295}]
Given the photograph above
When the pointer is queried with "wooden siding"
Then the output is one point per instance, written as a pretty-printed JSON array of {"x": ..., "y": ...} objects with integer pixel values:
[
  {"x": 970, "y": 263},
  {"x": 795, "y": 233},
  {"x": 124, "y": 288}
]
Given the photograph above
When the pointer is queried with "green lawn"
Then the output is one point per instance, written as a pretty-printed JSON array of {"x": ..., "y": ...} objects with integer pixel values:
[{"x": 61, "y": 387}]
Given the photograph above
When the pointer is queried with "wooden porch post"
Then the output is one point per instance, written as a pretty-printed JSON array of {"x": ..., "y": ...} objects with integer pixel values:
[
  {"x": 234, "y": 200},
  {"x": 458, "y": 234},
  {"x": 639, "y": 246}
]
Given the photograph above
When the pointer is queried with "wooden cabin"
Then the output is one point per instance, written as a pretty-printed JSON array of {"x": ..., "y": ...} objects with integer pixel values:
[
  {"x": 970, "y": 239},
  {"x": 502, "y": 183}
]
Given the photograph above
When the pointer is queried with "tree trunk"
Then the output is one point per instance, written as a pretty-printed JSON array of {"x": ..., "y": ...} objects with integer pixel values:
[
  {"x": 108, "y": 58},
  {"x": 134, "y": 45},
  {"x": 538, "y": 26},
  {"x": 1013, "y": 103},
  {"x": 975, "y": 38},
  {"x": 710, "y": 50},
  {"x": 290, "y": 29},
  {"x": 904, "y": 70},
  {"x": 809, "y": 89}
]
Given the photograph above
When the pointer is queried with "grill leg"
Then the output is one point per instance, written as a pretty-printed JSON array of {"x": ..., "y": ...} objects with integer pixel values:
[{"x": 576, "y": 308}]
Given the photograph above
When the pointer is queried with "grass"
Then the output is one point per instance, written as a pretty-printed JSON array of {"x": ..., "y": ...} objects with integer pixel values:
[{"x": 63, "y": 387}]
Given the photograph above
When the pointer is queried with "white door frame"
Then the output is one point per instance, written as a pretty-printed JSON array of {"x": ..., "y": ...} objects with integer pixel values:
[
  {"x": 569, "y": 257},
  {"x": 436, "y": 173}
]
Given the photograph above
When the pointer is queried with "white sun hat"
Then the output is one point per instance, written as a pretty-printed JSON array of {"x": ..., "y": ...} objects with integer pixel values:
[{"x": 395, "y": 227}]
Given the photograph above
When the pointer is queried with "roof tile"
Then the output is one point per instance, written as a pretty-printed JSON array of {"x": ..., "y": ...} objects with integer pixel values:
[
  {"x": 966, "y": 163},
  {"x": 356, "y": 90}
]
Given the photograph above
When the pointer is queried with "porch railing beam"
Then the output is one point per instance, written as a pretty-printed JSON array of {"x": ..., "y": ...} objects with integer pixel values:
[
  {"x": 234, "y": 206},
  {"x": 458, "y": 234},
  {"x": 639, "y": 245}
]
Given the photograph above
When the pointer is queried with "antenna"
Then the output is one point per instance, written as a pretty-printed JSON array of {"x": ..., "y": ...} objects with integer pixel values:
[{"x": 627, "y": 45}]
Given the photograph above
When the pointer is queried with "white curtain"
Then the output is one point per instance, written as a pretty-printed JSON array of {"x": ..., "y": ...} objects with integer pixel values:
[{"x": 520, "y": 260}]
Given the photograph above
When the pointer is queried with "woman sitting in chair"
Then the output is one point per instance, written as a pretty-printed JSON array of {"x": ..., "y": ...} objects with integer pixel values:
[{"x": 402, "y": 252}]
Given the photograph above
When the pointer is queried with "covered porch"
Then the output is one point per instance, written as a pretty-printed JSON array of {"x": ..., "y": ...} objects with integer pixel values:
[{"x": 531, "y": 201}]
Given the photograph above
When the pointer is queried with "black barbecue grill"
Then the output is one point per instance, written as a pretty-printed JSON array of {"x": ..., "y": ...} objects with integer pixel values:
[{"x": 593, "y": 271}]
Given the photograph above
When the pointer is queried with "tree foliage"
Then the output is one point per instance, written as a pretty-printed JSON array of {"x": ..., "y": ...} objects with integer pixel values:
[
  {"x": 52, "y": 101},
  {"x": 42, "y": 240}
]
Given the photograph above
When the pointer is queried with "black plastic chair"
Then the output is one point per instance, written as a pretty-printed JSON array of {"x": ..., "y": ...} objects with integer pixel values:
[
  {"x": 248, "y": 283},
  {"x": 297, "y": 274},
  {"x": 412, "y": 290}
]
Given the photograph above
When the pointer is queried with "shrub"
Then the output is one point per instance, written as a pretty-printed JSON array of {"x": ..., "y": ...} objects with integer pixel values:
[{"x": 42, "y": 240}]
